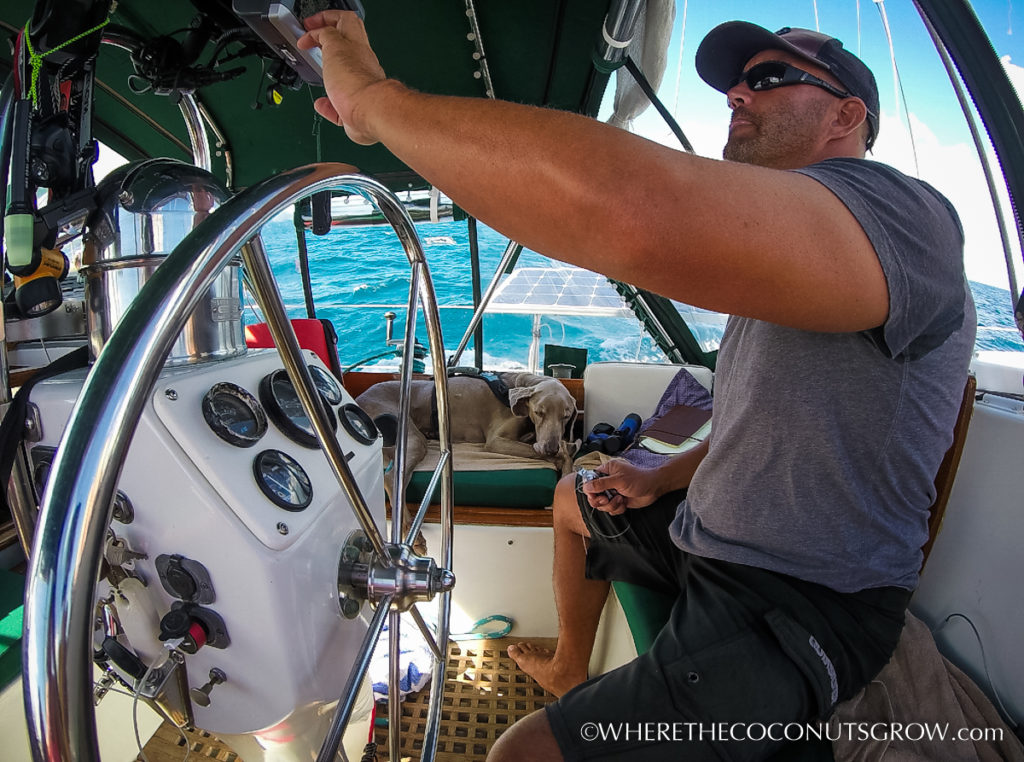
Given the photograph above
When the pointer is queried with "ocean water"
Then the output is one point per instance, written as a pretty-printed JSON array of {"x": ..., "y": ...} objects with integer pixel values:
[{"x": 360, "y": 273}]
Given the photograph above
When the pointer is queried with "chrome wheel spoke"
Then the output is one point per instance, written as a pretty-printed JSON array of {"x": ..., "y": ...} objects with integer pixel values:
[
  {"x": 394, "y": 685},
  {"x": 421, "y": 512},
  {"x": 424, "y": 628},
  {"x": 362, "y": 665},
  {"x": 269, "y": 298}
]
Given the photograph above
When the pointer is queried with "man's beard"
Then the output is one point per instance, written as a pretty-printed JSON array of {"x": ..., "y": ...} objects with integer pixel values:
[{"x": 782, "y": 138}]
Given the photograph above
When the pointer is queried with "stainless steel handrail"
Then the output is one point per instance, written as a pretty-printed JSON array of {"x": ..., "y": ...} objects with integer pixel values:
[
  {"x": 192, "y": 110},
  {"x": 77, "y": 504},
  {"x": 197, "y": 137}
]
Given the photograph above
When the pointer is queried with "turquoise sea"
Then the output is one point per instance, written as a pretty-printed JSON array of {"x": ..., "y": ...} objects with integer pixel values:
[{"x": 360, "y": 273}]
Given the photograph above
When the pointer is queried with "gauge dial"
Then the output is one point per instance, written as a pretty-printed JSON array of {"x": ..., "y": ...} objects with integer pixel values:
[
  {"x": 282, "y": 480},
  {"x": 234, "y": 414},
  {"x": 357, "y": 423},
  {"x": 285, "y": 408},
  {"x": 326, "y": 384}
]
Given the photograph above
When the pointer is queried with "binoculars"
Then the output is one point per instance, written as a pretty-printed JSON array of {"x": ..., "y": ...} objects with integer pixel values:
[{"x": 603, "y": 438}]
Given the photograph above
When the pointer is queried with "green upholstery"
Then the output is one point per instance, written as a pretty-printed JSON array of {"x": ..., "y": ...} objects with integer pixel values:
[
  {"x": 646, "y": 612},
  {"x": 12, "y": 592},
  {"x": 522, "y": 488}
]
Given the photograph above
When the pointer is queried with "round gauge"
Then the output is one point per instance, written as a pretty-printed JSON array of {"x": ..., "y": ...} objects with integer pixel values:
[
  {"x": 285, "y": 408},
  {"x": 326, "y": 384},
  {"x": 282, "y": 480},
  {"x": 234, "y": 414},
  {"x": 357, "y": 423}
]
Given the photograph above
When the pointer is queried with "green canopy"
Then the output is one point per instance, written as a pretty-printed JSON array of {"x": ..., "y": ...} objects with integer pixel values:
[{"x": 537, "y": 51}]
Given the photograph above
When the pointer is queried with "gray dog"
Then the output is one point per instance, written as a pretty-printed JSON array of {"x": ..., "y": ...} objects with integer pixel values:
[{"x": 531, "y": 424}]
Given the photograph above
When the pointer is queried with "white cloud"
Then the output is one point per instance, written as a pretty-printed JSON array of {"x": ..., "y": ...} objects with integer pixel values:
[{"x": 955, "y": 170}]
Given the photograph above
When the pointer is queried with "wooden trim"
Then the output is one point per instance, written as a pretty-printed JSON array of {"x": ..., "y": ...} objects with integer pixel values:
[
  {"x": 950, "y": 462},
  {"x": 488, "y": 516},
  {"x": 357, "y": 382}
]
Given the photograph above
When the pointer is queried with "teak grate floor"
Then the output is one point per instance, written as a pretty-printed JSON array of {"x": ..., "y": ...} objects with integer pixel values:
[
  {"x": 484, "y": 693},
  {"x": 167, "y": 745}
]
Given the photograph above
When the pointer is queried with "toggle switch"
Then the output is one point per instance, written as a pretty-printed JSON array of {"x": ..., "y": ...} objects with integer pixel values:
[{"x": 201, "y": 696}]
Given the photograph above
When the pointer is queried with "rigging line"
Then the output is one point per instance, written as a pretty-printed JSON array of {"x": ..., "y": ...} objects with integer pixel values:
[
  {"x": 817, "y": 26},
  {"x": 641, "y": 80},
  {"x": 315, "y": 131},
  {"x": 858, "y": 28},
  {"x": 555, "y": 47},
  {"x": 679, "y": 62},
  {"x": 898, "y": 84}
]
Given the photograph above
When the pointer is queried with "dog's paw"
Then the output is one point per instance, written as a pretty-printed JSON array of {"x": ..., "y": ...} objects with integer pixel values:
[
  {"x": 419, "y": 545},
  {"x": 564, "y": 459}
]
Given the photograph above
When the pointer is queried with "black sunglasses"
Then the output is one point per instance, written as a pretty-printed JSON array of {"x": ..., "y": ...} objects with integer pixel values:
[{"x": 771, "y": 74}]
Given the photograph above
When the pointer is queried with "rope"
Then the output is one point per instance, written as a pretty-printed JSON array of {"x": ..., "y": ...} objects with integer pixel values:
[
  {"x": 474, "y": 634},
  {"x": 35, "y": 60}
]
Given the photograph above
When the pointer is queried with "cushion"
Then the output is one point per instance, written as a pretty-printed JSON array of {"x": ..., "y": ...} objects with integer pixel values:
[
  {"x": 604, "y": 382},
  {"x": 12, "y": 592},
  {"x": 488, "y": 479},
  {"x": 525, "y": 488},
  {"x": 646, "y": 612}
]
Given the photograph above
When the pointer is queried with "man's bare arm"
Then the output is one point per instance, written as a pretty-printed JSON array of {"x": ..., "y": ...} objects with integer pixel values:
[{"x": 745, "y": 240}]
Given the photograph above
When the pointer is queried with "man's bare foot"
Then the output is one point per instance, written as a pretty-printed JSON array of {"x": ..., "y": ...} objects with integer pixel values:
[{"x": 540, "y": 664}]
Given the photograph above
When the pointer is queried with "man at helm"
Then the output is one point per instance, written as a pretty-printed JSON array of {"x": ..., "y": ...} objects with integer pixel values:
[{"x": 792, "y": 538}]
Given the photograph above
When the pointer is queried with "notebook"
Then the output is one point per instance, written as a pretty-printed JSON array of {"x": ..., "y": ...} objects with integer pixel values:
[{"x": 682, "y": 428}]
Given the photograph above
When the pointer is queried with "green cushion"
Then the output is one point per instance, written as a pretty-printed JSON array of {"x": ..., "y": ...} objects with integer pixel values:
[
  {"x": 646, "y": 612},
  {"x": 12, "y": 592},
  {"x": 521, "y": 488}
]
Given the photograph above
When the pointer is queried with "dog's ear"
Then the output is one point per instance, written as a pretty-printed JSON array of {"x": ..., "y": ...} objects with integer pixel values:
[
  {"x": 387, "y": 425},
  {"x": 570, "y": 427},
  {"x": 519, "y": 399}
]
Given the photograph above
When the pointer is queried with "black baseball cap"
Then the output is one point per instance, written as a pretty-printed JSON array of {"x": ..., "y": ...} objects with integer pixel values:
[{"x": 727, "y": 48}]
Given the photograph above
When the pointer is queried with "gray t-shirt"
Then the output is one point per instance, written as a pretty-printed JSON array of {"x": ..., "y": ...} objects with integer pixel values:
[{"x": 825, "y": 446}]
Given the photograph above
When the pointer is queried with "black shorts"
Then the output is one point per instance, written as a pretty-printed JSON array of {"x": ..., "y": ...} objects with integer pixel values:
[{"x": 745, "y": 651}]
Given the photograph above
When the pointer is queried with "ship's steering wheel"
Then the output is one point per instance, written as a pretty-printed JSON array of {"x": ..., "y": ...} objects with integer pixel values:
[{"x": 77, "y": 506}]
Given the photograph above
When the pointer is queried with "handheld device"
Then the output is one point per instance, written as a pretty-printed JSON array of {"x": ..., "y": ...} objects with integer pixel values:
[
  {"x": 589, "y": 474},
  {"x": 279, "y": 26}
]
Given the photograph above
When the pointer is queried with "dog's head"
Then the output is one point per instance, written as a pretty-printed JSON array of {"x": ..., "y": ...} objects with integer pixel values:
[{"x": 550, "y": 406}]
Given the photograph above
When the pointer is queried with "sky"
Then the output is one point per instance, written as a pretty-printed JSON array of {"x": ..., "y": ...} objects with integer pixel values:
[
  {"x": 928, "y": 137},
  {"x": 945, "y": 153},
  {"x": 937, "y": 133}
]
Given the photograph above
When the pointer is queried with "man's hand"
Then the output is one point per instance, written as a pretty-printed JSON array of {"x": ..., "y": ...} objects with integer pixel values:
[
  {"x": 350, "y": 68},
  {"x": 633, "y": 487}
]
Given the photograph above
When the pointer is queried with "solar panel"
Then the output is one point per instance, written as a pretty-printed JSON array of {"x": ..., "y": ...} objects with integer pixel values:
[{"x": 558, "y": 291}]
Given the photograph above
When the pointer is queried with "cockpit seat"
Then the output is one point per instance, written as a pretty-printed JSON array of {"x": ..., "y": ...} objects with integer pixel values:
[{"x": 314, "y": 334}]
